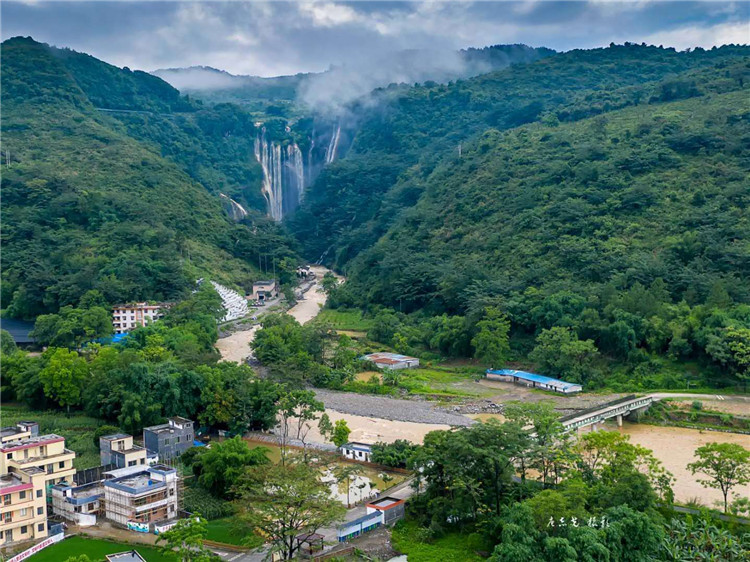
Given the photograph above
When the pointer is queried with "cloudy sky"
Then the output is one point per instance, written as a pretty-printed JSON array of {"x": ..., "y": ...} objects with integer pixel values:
[{"x": 273, "y": 38}]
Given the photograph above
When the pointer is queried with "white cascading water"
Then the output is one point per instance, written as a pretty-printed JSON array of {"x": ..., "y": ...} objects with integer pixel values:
[
  {"x": 268, "y": 155},
  {"x": 297, "y": 169},
  {"x": 285, "y": 172},
  {"x": 236, "y": 211},
  {"x": 333, "y": 145}
]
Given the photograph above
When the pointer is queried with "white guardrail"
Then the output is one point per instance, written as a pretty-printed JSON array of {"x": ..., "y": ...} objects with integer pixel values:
[{"x": 49, "y": 541}]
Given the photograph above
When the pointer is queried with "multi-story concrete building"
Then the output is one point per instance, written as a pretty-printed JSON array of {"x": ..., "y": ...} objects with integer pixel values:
[
  {"x": 19, "y": 431},
  {"x": 126, "y": 317},
  {"x": 118, "y": 449},
  {"x": 29, "y": 464},
  {"x": 171, "y": 439},
  {"x": 138, "y": 499},
  {"x": 79, "y": 504}
]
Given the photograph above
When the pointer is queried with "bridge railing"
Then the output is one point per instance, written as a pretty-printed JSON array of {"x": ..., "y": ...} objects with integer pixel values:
[{"x": 598, "y": 408}]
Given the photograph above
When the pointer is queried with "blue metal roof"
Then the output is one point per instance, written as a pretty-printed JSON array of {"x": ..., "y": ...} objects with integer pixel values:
[
  {"x": 532, "y": 377},
  {"x": 364, "y": 519}
]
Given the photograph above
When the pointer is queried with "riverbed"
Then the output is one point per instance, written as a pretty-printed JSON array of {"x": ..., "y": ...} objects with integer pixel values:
[
  {"x": 236, "y": 346},
  {"x": 674, "y": 447}
]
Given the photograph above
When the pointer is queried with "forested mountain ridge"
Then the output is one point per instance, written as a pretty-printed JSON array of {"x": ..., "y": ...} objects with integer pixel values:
[
  {"x": 85, "y": 206},
  {"x": 404, "y": 135},
  {"x": 612, "y": 228}
]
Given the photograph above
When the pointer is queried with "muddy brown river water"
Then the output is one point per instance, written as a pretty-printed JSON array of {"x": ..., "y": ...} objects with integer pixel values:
[{"x": 674, "y": 447}]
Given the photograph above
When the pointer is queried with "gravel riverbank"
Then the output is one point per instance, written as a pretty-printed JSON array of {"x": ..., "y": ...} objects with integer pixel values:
[{"x": 388, "y": 408}]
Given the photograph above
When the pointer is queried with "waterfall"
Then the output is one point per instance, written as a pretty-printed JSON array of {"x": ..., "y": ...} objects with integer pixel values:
[
  {"x": 297, "y": 169},
  {"x": 287, "y": 172},
  {"x": 268, "y": 155},
  {"x": 333, "y": 145},
  {"x": 236, "y": 211}
]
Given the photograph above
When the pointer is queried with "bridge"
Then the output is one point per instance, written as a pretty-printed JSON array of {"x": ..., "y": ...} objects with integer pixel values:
[{"x": 614, "y": 409}]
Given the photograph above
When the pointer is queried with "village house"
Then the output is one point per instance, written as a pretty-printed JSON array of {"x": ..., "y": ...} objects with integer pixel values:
[
  {"x": 392, "y": 361},
  {"x": 265, "y": 290},
  {"x": 29, "y": 464},
  {"x": 126, "y": 317},
  {"x": 118, "y": 449},
  {"x": 169, "y": 440},
  {"x": 141, "y": 498},
  {"x": 357, "y": 451}
]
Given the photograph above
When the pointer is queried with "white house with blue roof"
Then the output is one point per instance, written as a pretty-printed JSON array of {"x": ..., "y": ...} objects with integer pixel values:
[
  {"x": 357, "y": 451},
  {"x": 533, "y": 380}
]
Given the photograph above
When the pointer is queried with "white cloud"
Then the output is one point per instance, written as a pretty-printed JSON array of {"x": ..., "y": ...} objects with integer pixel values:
[{"x": 697, "y": 36}]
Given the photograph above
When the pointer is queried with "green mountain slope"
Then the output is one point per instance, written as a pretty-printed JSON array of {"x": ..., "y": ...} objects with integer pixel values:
[
  {"x": 87, "y": 206},
  {"x": 401, "y": 139},
  {"x": 636, "y": 194}
]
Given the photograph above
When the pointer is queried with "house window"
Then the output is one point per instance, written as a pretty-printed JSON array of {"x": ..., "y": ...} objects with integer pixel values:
[
  {"x": 40, "y": 527},
  {"x": 77, "y": 509},
  {"x": 24, "y": 511},
  {"x": 6, "y": 499},
  {"x": 62, "y": 464},
  {"x": 132, "y": 463},
  {"x": 39, "y": 510},
  {"x": 24, "y": 529},
  {"x": 39, "y": 493},
  {"x": 9, "y": 456},
  {"x": 22, "y": 495},
  {"x": 90, "y": 506}
]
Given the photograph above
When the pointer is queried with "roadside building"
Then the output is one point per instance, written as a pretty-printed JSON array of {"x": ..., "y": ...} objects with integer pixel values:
[
  {"x": 265, "y": 290},
  {"x": 392, "y": 361},
  {"x": 532, "y": 380},
  {"x": 391, "y": 509},
  {"x": 118, "y": 449},
  {"x": 169, "y": 440},
  {"x": 141, "y": 498},
  {"x": 126, "y": 317},
  {"x": 29, "y": 464},
  {"x": 357, "y": 451},
  {"x": 359, "y": 526}
]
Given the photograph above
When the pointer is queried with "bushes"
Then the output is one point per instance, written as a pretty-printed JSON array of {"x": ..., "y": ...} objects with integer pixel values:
[{"x": 199, "y": 500}]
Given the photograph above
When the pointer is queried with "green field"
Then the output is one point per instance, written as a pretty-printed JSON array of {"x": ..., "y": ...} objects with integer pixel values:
[
  {"x": 350, "y": 320},
  {"x": 454, "y": 381},
  {"x": 78, "y": 430},
  {"x": 408, "y": 539},
  {"x": 96, "y": 549},
  {"x": 224, "y": 531}
]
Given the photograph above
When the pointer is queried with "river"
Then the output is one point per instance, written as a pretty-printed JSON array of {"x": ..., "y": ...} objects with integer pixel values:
[{"x": 674, "y": 447}]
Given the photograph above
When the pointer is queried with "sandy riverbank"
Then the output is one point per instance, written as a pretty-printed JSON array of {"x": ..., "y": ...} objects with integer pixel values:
[{"x": 371, "y": 430}]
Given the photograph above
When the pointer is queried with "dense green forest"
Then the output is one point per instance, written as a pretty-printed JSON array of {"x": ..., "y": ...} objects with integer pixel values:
[
  {"x": 599, "y": 205},
  {"x": 88, "y": 206}
]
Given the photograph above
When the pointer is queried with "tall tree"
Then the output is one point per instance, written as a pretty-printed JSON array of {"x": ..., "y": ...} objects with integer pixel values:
[
  {"x": 185, "y": 540},
  {"x": 64, "y": 376},
  {"x": 280, "y": 502},
  {"x": 727, "y": 465},
  {"x": 491, "y": 342}
]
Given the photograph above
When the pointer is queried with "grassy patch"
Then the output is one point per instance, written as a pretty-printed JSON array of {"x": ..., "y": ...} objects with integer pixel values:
[
  {"x": 409, "y": 539},
  {"x": 439, "y": 380},
  {"x": 338, "y": 319},
  {"x": 226, "y": 531},
  {"x": 78, "y": 430},
  {"x": 96, "y": 549}
]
